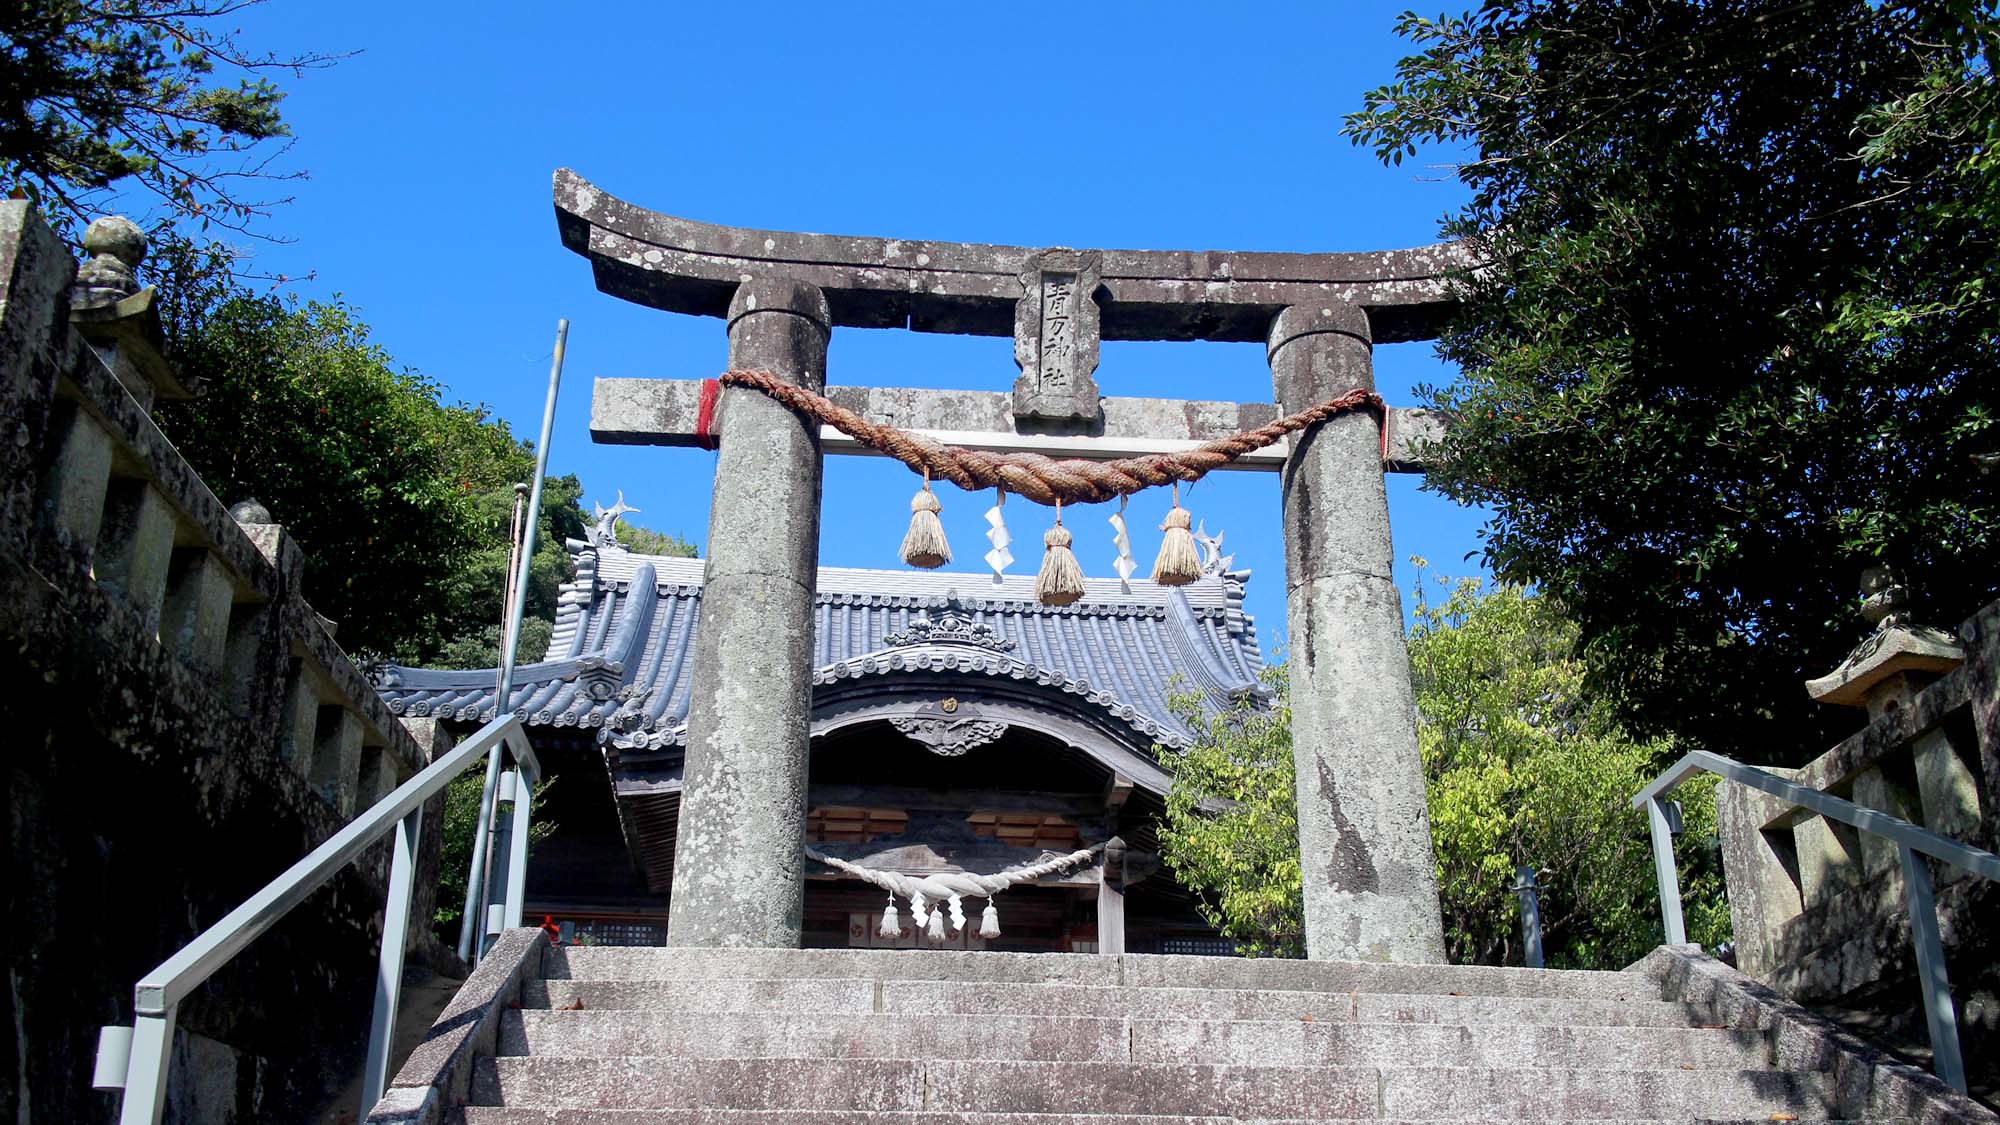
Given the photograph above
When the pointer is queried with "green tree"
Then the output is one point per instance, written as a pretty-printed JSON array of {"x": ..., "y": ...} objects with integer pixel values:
[
  {"x": 646, "y": 542},
  {"x": 376, "y": 475},
  {"x": 149, "y": 94},
  {"x": 1732, "y": 337},
  {"x": 1522, "y": 767},
  {"x": 1232, "y": 822},
  {"x": 401, "y": 500}
]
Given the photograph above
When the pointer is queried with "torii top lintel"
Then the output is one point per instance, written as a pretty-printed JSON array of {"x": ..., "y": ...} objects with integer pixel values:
[{"x": 690, "y": 267}]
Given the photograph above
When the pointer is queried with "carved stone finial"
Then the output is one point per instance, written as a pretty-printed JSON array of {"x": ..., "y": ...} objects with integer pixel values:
[
  {"x": 1884, "y": 599},
  {"x": 631, "y": 713},
  {"x": 250, "y": 511},
  {"x": 1056, "y": 336},
  {"x": 116, "y": 246}
]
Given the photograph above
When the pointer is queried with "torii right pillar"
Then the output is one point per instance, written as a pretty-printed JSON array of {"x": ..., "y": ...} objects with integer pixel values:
[{"x": 1364, "y": 832}]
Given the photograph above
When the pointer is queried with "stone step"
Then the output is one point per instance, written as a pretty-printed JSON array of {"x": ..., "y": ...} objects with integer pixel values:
[
  {"x": 529, "y": 1115},
  {"x": 1069, "y": 1038},
  {"x": 1010, "y": 998},
  {"x": 889, "y": 1085},
  {"x": 1137, "y": 970}
]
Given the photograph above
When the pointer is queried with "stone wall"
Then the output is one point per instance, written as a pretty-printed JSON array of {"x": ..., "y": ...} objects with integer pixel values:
[
  {"x": 1819, "y": 909},
  {"x": 181, "y": 727}
]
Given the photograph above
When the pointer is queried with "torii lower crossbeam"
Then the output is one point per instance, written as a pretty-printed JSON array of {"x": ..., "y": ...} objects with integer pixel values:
[{"x": 668, "y": 412}]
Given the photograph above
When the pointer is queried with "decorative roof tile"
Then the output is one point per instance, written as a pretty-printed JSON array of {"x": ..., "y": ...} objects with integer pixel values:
[{"x": 619, "y": 660}]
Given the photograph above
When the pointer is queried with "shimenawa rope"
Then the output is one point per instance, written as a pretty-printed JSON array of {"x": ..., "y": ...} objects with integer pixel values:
[
  {"x": 947, "y": 888},
  {"x": 1046, "y": 480}
]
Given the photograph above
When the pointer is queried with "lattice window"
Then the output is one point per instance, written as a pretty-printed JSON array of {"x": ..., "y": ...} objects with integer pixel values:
[
  {"x": 846, "y": 824},
  {"x": 1028, "y": 830}
]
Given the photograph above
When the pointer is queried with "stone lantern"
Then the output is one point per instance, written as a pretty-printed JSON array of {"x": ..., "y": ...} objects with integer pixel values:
[{"x": 1886, "y": 673}]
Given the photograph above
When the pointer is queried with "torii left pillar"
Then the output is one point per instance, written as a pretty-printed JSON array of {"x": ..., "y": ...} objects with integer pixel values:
[{"x": 738, "y": 863}]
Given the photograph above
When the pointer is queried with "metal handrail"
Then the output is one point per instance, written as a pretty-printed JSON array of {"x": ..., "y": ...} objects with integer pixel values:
[
  {"x": 1912, "y": 842},
  {"x": 136, "y": 1059}
]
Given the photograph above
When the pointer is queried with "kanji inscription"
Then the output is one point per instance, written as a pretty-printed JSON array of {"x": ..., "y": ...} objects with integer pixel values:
[{"x": 1055, "y": 337}]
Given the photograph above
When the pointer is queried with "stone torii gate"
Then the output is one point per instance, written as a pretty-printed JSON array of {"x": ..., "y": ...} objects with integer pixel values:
[{"x": 1370, "y": 886}]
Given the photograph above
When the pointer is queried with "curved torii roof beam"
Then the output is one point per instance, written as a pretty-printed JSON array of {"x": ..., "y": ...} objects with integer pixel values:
[{"x": 689, "y": 267}]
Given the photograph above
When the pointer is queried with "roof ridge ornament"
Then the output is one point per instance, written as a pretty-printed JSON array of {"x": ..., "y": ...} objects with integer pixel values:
[
  {"x": 604, "y": 528},
  {"x": 1213, "y": 561},
  {"x": 949, "y": 627}
]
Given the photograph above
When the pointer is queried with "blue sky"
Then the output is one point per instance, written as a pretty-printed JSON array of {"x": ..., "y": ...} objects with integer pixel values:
[{"x": 1149, "y": 126}]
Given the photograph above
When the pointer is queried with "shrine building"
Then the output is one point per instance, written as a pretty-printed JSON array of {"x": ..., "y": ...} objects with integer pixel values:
[{"x": 956, "y": 725}]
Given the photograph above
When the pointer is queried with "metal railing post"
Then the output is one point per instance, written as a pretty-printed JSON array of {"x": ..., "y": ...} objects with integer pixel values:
[
  {"x": 493, "y": 905},
  {"x": 1913, "y": 842},
  {"x": 475, "y": 876},
  {"x": 1946, "y": 1059},
  {"x": 146, "y": 1078},
  {"x": 1666, "y": 872},
  {"x": 1531, "y": 916},
  {"x": 517, "y": 858},
  {"x": 389, "y": 970},
  {"x": 137, "y": 1061}
]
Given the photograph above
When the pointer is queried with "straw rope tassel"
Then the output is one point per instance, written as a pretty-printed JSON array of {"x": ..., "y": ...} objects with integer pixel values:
[
  {"x": 891, "y": 927},
  {"x": 989, "y": 920},
  {"x": 1180, "y": 560},
  {"x": 925, "y": 545},
  {"x": 1061, "y": 579}
]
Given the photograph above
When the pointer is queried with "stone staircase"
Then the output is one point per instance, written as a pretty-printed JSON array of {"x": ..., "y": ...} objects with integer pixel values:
[{"x": 616, "y": 1036}]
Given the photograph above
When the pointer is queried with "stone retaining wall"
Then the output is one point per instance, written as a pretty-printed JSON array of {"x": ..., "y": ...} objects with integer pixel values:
[{"x": 181, "y": 727}]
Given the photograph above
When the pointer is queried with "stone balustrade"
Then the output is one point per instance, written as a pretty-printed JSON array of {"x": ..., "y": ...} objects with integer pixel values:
[
  {"x": 118, "y": 510},
  {"x": 182, "y": 724},
  {"x": 1818, "y": 907}
]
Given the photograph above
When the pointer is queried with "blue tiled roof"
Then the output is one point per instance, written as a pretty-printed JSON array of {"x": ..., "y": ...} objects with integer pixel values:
[{"x": 619, "y": 660}]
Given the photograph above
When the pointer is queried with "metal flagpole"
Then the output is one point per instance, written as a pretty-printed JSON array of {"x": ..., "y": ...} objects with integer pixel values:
[
  {"x": 474, "y": 922},
  {"x": 468, "y": 926}
]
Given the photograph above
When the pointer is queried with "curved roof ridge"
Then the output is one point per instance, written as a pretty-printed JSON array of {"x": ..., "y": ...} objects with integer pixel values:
[
  {"x": 433, "y": 679},
  {"x": 630, "y": 619},
  {"x": 1195, "y": 644},
  {"x": 950, "y": 656}
]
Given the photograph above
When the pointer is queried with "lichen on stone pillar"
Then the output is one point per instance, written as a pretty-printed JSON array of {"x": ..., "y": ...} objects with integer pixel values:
[
  {"x": 738, "y": 871},
  {"x": 1364, "y": 830}
]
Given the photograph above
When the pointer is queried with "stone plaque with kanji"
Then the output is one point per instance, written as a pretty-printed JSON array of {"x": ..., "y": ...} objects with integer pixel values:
[{"x": 1055, "y": 337}]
